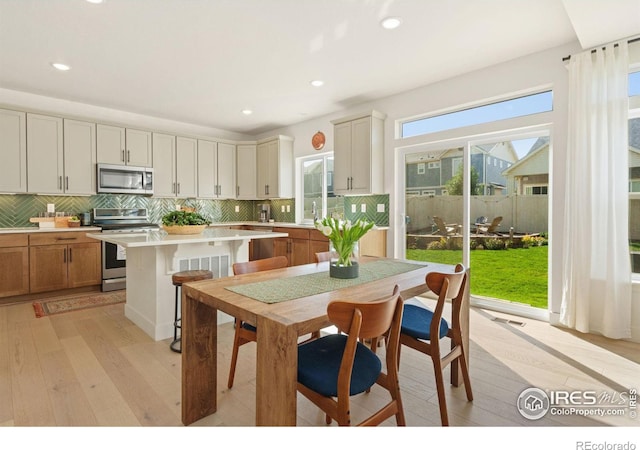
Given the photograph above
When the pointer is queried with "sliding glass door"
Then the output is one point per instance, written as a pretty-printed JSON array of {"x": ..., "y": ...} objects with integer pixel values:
[{"x": 484, "y": 203}]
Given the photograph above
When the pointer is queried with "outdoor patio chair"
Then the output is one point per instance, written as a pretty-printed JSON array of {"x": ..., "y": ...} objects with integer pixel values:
[
  {"x": 446, "y": 229},
  {"x": 489, "y": 228}
]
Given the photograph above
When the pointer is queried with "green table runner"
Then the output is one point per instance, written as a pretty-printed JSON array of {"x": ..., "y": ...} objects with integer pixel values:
[{"x": 284, "y": 289}]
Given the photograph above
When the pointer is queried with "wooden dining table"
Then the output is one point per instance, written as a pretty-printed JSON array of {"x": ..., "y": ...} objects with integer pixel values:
[{"x": 279, "y": 325}]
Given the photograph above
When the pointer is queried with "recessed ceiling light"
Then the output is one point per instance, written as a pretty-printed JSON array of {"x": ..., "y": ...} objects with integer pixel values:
[
  {"x": 95, "y": 2},
  {"x": 317, "y": 83},
  {"x": 247, "y": 112},
  {"x": 61, "y": 66},
  {"x": 391, "y": 23}
]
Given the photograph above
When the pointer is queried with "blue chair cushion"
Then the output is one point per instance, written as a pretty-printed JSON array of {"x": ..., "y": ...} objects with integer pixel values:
[
  {"x": 416, "y": 322},
  {"x": 249, "y": 327},
  {"x": 319, "y": 363}
]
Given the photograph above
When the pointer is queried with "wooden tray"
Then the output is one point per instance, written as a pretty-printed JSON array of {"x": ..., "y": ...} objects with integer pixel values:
[{"x": 51, "y": 222}]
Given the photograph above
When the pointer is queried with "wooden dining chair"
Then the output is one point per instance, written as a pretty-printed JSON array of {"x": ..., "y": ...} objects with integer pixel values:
[
  {"x": 422, "y": 329},
  {"x": 335, "y": 367},
  {"x": 245, "y": 332}
]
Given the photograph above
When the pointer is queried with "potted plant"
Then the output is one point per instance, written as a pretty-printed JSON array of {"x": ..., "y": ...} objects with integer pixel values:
[
  {"x": 344, "y": 237},
  {"x": 184, "y": 222}
]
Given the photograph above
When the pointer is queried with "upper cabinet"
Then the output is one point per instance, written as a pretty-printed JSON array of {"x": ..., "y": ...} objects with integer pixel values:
[
  {"x": 61, "y": 156},
  {"x": 246, "y": 171},
  {"x": 164, "y": 165},
  {"x": 175, "y": 162},
  {"x": 216, "y": 169},
  {"x": 13, "y": 142},
  {"x": 275, "y": 167},
  {"x": 358, "y": 154},
  {"x": 118, "y": 145},
  {"x": 79, "y": 157}
]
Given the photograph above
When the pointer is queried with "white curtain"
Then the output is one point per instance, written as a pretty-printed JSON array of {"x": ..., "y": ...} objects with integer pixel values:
[{"x": 596, "y": 295}]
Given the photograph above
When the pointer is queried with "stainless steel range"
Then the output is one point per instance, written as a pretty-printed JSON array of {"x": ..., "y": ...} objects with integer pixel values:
[{"x": 114, "y": 257}]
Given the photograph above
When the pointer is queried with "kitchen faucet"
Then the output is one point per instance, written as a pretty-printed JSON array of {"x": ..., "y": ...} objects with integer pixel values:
[{"x": 314, "y": 211}]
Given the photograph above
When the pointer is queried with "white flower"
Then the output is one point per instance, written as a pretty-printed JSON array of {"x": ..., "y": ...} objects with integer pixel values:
[{"x": 326, "y": 230}]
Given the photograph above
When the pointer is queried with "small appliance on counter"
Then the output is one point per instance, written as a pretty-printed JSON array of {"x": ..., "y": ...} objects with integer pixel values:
[{"x": 265, "y": 212}]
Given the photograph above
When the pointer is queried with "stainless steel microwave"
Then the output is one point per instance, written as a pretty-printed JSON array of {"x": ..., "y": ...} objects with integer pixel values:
[{"x": 115, "y": 179}]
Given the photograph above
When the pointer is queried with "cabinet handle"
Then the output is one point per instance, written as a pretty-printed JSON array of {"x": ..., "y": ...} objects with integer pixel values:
[
  {"x": 70, "y": 256},
  {"x": 237, "y": 191},
  {"x": 60, "y": 183},
  {"x": 128, "y": 155},
  {"x": 178, "y": 189},
  {"x": 66, "y": 183},
  {"x": 173, "y": 188},
  {"x": 123, "y": 155},
  {"x": 64, "y": 255},
  {"x": 66, "y": 239},
  {"x": 219, "y": 189}
]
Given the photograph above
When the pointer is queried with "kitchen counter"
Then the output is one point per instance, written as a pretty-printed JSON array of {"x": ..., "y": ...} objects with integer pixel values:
[
  {"x": 161, "y": 238},
  {"x": 307, "y": 226},
  {"x": 153, "y": 257},
  {"x": 46, "y": 230}
]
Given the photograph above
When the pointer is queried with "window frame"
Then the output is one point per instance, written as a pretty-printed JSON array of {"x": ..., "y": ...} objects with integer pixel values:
[{"x": 328, "y": 177}]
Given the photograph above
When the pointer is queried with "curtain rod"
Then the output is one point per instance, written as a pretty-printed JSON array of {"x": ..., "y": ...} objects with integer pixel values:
[{"x": 567, "y": 58}]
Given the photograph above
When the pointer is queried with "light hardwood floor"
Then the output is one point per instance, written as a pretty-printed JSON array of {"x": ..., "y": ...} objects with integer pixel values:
[{"x": 94, "y": 367}]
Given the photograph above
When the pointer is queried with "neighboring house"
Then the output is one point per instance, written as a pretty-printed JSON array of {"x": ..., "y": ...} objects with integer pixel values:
[
  {"x": 429, "y": 173},
  {"x": 530, "y": 175}
]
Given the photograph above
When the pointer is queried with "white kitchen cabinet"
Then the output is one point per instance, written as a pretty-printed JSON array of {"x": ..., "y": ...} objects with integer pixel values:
[
  {"x": 186, "y": 167},
  {"x": 174, "y": 166},
  {"x": 246, "y": 171},
  {"x": 118, "y": 145},
  {"x": 13, "y": 142},
  {"x": 61, "y": 156},
  {"x": 358, "y": 151},
  {"x": 216, "y": 169},
  {"x": 79, "y": 157},
  {"x": 164, "y": 165},
  {"x": 274, "y": 158}
]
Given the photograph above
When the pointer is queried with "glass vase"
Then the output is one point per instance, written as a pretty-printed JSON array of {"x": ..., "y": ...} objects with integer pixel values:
[{"x": 341, "y": 270}]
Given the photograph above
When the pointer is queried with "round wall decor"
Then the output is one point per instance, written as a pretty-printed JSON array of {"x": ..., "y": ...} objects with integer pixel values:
[{"x": 317, "y": 141}]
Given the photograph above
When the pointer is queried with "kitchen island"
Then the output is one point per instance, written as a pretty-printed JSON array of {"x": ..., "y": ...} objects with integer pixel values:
[{"x": 154, "y": 256}]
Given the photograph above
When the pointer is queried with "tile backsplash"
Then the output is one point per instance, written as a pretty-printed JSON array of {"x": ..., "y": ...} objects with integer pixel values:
[{"x": 16, "y": 210}]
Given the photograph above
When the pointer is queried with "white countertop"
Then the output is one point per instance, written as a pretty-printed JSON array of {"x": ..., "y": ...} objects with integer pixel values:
[
  {"x": 307, "y": 226},
  {"x": 158, "y": 238}
]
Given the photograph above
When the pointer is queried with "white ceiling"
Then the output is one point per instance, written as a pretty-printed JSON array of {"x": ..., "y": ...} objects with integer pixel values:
[{"x": 203, "y": 61}]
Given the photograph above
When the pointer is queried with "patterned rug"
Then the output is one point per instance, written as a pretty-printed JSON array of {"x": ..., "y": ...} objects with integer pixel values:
[{"x": 59, "y": 305}]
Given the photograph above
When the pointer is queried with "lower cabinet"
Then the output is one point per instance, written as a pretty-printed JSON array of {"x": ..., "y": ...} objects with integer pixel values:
[
  {"x": 63, "y": 260},
  {"x": 14, "y": 265},
  {"x": 295, "y": 247}
]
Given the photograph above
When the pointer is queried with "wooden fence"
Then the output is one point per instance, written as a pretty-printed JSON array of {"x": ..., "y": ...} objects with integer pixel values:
[{"x": 525, "y": 213}]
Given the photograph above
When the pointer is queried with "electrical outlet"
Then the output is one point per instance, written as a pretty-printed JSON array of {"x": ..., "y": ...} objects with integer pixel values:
[
  {"x": 288, "y": 208},
  {"x": 380, "y": 207},
  {"x": 237, "y": 208},
  {"x": 353, "y": 208},
  {"x": 363, "y": 207}
]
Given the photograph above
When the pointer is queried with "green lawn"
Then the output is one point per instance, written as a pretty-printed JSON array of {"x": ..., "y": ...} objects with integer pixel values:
[{"x": 516, "y": 274}]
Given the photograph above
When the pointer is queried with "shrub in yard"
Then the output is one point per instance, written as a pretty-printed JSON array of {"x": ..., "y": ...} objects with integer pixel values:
[
  {"x": 473, "y": 244},
  {"x": 533, "y": 241},
  {"x": 454, "y": 244},
  {"x": 495, "y": 244},
  {"x": 438, "y": 245}
]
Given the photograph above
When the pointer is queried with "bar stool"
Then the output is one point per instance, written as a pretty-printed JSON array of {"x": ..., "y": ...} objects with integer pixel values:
[{"x": 178, "y": 279}]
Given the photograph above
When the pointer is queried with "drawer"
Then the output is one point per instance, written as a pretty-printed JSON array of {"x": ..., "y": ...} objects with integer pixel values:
[
  {"x": 316, "y": 235},
  {"x": 60, "y": 238},
  {"x": 294, "y": 233},
  {"x": 14, "y": 240}
]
